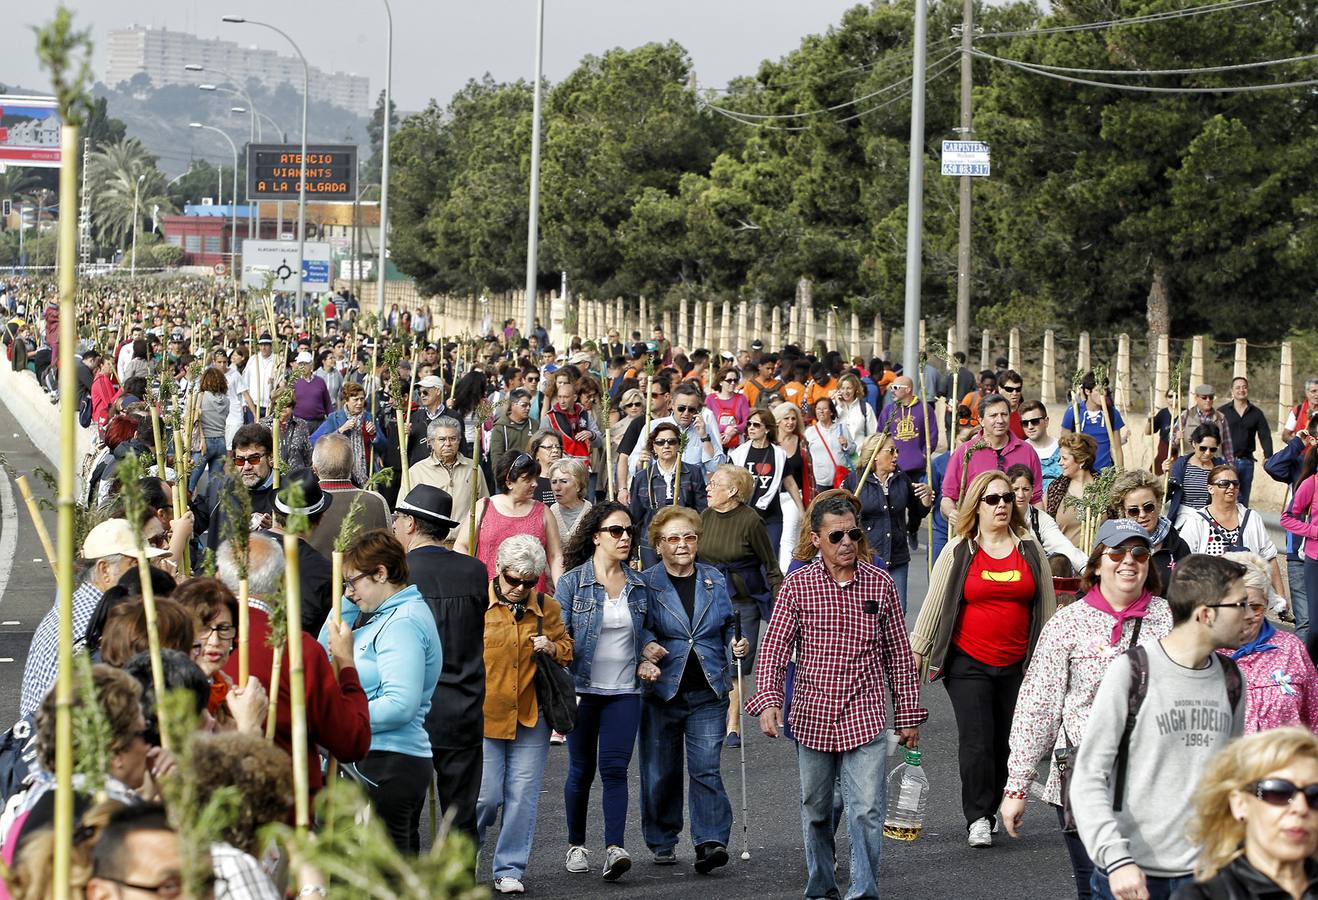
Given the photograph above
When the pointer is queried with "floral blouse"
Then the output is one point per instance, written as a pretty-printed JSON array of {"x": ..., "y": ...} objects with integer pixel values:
[
  {"x": 1282, "y": 683},
  {"x": 1069, "y": 662}
]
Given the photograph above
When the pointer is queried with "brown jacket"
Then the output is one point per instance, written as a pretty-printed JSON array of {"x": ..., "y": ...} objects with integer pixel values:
[{"x": 509, "y": 667}]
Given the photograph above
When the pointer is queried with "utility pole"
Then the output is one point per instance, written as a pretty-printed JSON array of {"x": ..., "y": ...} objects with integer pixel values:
[
  {"x": 963, "y": 235},
  {"x": 85, "y": 214},
  {"x": 915, "y": 197},
  {"x": 533, "y": 223}
]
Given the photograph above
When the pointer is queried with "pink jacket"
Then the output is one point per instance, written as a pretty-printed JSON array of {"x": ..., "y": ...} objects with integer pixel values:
[
  {"x": 1282, "y": 685},
  {"x": 1306, "y": 501},
  {"x": 986, "y": 460}
]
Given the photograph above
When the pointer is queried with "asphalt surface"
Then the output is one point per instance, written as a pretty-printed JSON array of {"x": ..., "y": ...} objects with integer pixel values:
[{"x": 937, "y": 865}]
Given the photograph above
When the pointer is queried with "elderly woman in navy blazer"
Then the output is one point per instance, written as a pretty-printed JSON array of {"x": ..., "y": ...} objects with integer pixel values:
[{"x": 688, "y": 628}]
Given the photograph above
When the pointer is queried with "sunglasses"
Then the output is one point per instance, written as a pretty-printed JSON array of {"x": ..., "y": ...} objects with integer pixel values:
[
  {"x": 673, "y": 540},
  {"x": 665, "y": 442},
  {"x": 251, "y": 459},
  {"x": 1226, "y": 484},
  {"x": 514, "y": 583},
  {"x": 754, "y": 423},
  {"x": 997, "y": 499},
  {"x": 835, "y": 537},
  {"x": 632, "y": 405},
  {"x": 687, "y": 409},
  {"x": 1207, "y": 448},
  {"x": 1012, "y": 388},
  {"x": 1148, "y": 508},
  {"x": 1280, "y": 792},
  {"x": 617, "y": 532},
  {"x": 1117, "y": 554},
  {"x": 1030, "y": 423}
]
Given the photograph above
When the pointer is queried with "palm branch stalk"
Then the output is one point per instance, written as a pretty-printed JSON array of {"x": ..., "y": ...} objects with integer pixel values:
[
  {"x": 928, "y": 459},
  {"x": 26, "y": 491},
  {"x": 605, "y": 404},
  {"x": 482, "y": 412},
  {"x": 237, "y": 501},
  {"x": 293, "y": 498},
  {"x": 130, "y": 474}
]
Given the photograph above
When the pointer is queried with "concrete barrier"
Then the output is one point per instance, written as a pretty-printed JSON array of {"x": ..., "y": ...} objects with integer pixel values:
[{"x": 30, "y": 406}]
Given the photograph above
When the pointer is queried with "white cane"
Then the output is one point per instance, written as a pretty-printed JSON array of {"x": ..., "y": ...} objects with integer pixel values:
[{"x": 745, "y": 838}]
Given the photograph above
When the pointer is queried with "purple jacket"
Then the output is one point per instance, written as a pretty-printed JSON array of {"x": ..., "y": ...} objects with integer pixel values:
[
  {"x": 906, "y": 426},
  {"x": 311, "y": 399},
  {"x": 986, "y": 459}
]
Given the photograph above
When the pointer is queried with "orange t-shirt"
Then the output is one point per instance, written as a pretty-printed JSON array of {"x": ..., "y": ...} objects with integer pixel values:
[
  {"x": 820, "y": 390},
  {"x": 794, "y": 393}
]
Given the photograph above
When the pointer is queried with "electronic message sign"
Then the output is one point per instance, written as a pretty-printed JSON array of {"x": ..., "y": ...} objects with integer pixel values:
[{"x": 273, "y": 169}]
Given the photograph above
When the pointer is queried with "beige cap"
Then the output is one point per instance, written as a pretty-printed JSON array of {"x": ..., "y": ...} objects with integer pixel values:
[{"x": 115, "y": 537}]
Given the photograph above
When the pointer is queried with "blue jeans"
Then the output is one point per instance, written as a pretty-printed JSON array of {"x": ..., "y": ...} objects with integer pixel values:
[
  {"x": 511, "y": 774},
  {"x": 605, "y": 735},
  {"x": 1299, "y": 594},
  {"x": 693, "y": 719},
  {"x": 212, "y": 457},
  {"x": 864, "y": 788},
  {"x": 1245, "y": 469},
  {"x": 1159, "y": 888},
  {"x": 1082, "y": 867},
  {"x": 898, "y": 574}
]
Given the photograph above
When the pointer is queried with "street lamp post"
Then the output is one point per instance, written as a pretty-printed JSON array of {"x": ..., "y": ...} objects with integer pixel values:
[
  {"x": 384, "y": 155},
  {"x": 252, "y": 224},
  {"x": 302, "y": 156},
  {"x": 132, "y": 272},
  {"x": 233, "y": 209},
  {"x": 533, "y": 224}
]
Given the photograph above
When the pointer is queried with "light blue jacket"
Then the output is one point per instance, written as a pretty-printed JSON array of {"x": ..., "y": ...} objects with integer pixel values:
[
  {"x": 582, "y": 598},
  {"x": 709, "y": 631},
  {"x": 398, "y": 657}
]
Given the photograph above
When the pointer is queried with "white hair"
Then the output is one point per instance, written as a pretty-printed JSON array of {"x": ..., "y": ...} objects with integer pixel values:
[
  {"x": 265, "y": 568},
  {"x": 1257, "y": 576},
  {"x": 521, "y": 554}
]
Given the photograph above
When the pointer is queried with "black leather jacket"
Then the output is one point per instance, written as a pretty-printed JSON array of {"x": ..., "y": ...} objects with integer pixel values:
[{"x": 1241, "y": 881}]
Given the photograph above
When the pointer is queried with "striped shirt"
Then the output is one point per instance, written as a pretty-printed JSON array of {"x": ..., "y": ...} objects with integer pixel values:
[{"x": 847, "y": 659}]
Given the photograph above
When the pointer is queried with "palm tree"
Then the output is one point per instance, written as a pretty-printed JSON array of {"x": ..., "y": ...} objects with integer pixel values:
[
  {"x": 16, "y": 181},
  {"x": 112, "y": 174}
]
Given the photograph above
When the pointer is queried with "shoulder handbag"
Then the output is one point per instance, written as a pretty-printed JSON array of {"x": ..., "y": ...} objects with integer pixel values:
[
  {"x": 839, "y": 472},
  {"x": 554, "y": 689}
]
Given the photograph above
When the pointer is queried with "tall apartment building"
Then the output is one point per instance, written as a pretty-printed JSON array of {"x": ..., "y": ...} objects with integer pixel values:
[{"x": 162, "y": 54}]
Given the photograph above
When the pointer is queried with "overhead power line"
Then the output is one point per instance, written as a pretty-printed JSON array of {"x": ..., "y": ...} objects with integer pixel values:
[
  {"x": 1143, "y": 72},
  {"x": 1145, "y": 88},
  {"x": 902, "y": 55},
  {"x": 1132, "y": 20},
  {"x": 836, "y": 107}
]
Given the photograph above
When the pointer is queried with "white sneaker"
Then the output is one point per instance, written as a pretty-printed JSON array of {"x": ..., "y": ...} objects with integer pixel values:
[
  {"x": 576, "y": 859},
  {"x": 508, "y": 885},
  {"x": 616, "y": 862},
  {"x": 981, "y": 834}
]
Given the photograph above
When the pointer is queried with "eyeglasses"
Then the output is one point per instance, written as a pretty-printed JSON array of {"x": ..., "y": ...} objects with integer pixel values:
[
  {"x": 855, "y": 534},
  {"x": 1226, "y": 484},
  {"x": 665, "y": 442},
  {"x": 170, "y": 888},
  {"x": 997, "y": 499},
  {"x": 350, "y": 584},
  {"x": 1012, "y": 388},
  {"x": 525, "y": 583},
  {"x": 617, "y": 532},
  {"x": 632, "y": 405},
  {"x": 225, "y": 632},
  {"x": 1117, "y": 554},
  {"x": 546, "y": 447},
  {"x": 1207, "y": 448},
  {"x": 687, "y": 409},
  {"x": 1280, "y": 792},
  {"x": 1030, "y": 423},
  {"x": 673, "y": 540},
  {"x": 1243, "y": 604},
  {"x": 251, "y": 459},
  {"x": 1134, "y": 511}
]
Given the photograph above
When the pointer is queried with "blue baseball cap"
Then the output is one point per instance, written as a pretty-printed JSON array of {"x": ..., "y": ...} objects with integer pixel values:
[{"x": 1116, "y": 531}]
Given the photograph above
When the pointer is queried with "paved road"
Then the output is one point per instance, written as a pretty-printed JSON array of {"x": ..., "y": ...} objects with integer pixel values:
[{"x": 938, "y": 865}]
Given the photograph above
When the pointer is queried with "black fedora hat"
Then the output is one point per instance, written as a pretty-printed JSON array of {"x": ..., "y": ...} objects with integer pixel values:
[
  {"x": 430, "y": 503},
  {"x": 313, "y": 498}
]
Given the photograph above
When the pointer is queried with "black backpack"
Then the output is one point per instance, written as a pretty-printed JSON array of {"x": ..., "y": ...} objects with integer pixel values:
[
  {"x": 18, "y": 757},
  {"x": 767, "y": 398}
]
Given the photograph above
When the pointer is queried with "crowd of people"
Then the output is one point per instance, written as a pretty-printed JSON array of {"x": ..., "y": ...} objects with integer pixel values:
[{"x": 648, "y": 528}]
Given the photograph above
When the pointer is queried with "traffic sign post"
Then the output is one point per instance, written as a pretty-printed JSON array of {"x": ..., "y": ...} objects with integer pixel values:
[
  {"x": 262, "y": 259},
  {"x": 965, "y": 158}
]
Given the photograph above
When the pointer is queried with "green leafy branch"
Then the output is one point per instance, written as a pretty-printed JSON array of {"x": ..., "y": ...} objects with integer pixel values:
[{"x": 66, "y": 53}]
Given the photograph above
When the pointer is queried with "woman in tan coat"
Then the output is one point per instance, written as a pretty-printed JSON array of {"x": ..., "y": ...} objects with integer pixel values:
[{"x": 518, "y": 621}]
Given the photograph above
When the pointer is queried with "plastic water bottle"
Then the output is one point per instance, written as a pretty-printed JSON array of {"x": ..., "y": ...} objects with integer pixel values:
[{"x": 908, "y": 789}]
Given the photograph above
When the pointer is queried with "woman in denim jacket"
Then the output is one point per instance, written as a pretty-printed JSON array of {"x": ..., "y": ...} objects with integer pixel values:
[
  {"x": 688, "y": 628},
  {"x": 604, "y": 603}
]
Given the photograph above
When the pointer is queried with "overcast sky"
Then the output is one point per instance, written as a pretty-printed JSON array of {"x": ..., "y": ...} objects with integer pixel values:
[{"x": 438, "y": 46}]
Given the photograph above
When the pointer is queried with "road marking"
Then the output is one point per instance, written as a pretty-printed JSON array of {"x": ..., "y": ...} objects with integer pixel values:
[
  {"x": 8, "y": 531},
  {"x": 4, "y": 659},
  {"x": 11, "y": 622}
]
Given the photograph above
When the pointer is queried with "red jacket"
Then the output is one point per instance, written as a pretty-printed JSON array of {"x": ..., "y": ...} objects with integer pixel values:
[{"x": 337, "y": 715}]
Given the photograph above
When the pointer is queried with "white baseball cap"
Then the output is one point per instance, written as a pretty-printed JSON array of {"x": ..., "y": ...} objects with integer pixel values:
[
  {"x": 430, "y": 382},
  {"x": 114, "y": 537},
  {"x": 304, "y": 357}
]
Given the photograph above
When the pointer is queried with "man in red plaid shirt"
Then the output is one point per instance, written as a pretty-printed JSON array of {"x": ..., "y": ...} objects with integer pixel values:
[{"x": 841, "y": 617}]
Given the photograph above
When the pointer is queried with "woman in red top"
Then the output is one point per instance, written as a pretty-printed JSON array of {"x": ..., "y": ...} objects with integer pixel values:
[
  {"x": 989, "y": 595},
  {"x": 730, "y": 408}
]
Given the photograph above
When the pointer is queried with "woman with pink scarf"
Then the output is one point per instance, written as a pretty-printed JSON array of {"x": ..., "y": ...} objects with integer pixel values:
[
  {"x": 1120, "y": 607},
  {"x": 1280, "y": 677}
]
